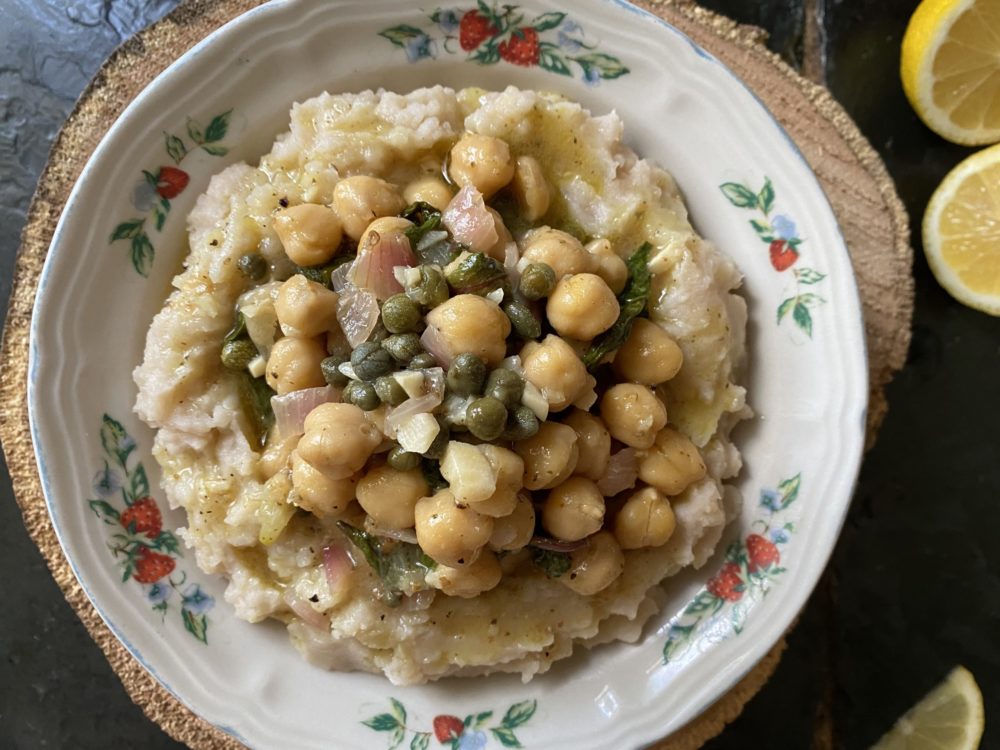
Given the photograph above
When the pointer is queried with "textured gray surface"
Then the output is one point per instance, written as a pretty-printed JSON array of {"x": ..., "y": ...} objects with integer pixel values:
[{"x": 913, "y": 588}]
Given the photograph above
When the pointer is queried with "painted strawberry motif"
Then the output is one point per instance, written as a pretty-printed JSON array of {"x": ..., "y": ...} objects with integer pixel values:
[
  {"x": 143, "y": 517},
  {"x": 152, "y": 566},
  {"x": 447, "y": 728},
  {"x": 727, "y": 584},
  {"x": 783, "y": 255},
  {"x": 171, "y": 181},
  {"x": 521, "y": 48},
  {"x": 474, "y": 29},
  {"x": 762, "y": 552}
]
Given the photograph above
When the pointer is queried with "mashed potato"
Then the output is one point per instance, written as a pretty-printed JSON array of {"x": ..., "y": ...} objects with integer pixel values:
[{"x": 238, "y": 496}]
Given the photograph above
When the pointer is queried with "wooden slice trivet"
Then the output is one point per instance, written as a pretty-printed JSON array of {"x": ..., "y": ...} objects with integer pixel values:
[{"x": 859, "y": 188}]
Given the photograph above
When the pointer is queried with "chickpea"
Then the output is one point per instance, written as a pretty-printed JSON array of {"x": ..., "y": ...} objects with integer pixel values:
[
  {"x": 648, "y": 356},
  {"x": 481, "y": 161},
  {"x": 514, "y": 531},
  {"x": 509, "y": 466},
  {"x": 305, "y": 308},
  {"x": 633, "y": 414},
  {"x": 360, "y": 200},
  {"x": 550, "y": 455},
  {"x": 501, "y": 503},
  {"x": 553, "y": 367},
  {"x": 582, "y": 306},
  {"x": 389, "y": 496},
  {"x": 499, "y": 250},
  {"x": 471, "y": 324},
  {"x": 317, "y": 493},
  {"x": 469, "y": 580},
  {"x": 294, "y": 364},
  {"x": 594, "y": 441},
  {"x": 431, "y": 190},
  {"x": 449, "y": 534},
  {"x": 309, "y": 233},
  {"x": 645, "y": 520},
  {"x": 560, "y": 251},
  {"x": 385, "y": 227},
  {"x": 609, "y": 265},
  {"x": 596, "y": 566},
  {"x": 574, "y": 510},
  {"x": 530, "y": 188},
  {"x": 672, "y": 464},
  {"x": 338, "y": 439},
  {"x": 275, "y": 456}
]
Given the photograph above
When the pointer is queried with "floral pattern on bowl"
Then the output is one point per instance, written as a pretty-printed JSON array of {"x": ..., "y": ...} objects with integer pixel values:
[{"x": 469, "y": 733}]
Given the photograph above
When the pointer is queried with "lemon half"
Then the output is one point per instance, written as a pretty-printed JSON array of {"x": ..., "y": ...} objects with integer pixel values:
[{"x": 950, "y": 68}]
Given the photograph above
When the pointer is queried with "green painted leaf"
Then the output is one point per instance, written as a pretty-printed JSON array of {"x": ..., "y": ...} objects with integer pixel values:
[
  {"x": 115, "y": 440},
  {"x": 738, "y": 195},
  {"x": 785, "y": 307},
  {"x": 216, "y": 150},
  {"x": 607, "y": 66},
  {"x": 811, "y": 300},
  {"x": 176, "y": 149},
  {"x": 398, "y": 735},
  {"x": 763, "y": 230},
  {"x": 196, "y": 625},
  {"x": 420, "y": 741},
  {"x": 554, "y": 63},
  {"x": 218, "y": 127},
  {"x": 104, "y": 511},
  {"x": 808, "y": 276},
  {"x": 765, "y": 198},
  {"x": 506, "y": 737},
  {"x": 398, "y": 710},
  {"x": 195, "y": 133},
  {"x": 398, "y": 35},
  {"x": 789, "y": 489},
  {"x": 482, "y": 718},
  {"x": 167, "y": 542},
  {"x": 127, "y": 230},
  {"x": 803, "y": 318},
  {"x": 547, "y": 21},
  {"x": 382, "y": 723},
  {"x": 151, "y": 179},
  {"x": 487, "y": 54},
  {"x": 140, "y": 483},
  {"x": 519, "y": 713},
  {"x": 161, "y": 218},
  {"x": 142, "y": 254}
]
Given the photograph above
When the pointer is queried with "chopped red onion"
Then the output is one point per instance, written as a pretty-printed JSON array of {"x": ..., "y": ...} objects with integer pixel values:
[
  {"x": 434, "y": 342},
  {"x": 337, "y": 566},
  {"x": 430, "y": 400},
  {"x": 469, "y": 222},
  {"x": 357, "y": 313},
  {"x": 375, "y": 263},
  {"x": 291, "y": 410},
  {"x": 307, "y": 614},
  {"x": 622, "y": 471},
  {"x": 338, "y": 279},
  {"x": 511, "y": 256}
]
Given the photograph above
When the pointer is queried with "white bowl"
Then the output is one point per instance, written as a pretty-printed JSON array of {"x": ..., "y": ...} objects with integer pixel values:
[{"x": 749, "y": 191}]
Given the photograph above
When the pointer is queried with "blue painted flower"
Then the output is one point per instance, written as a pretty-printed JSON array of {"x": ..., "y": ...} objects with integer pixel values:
[
  {"x": 143, "y": 195},
  {"x": 784, "y": 227},
  {"x": 159, "y": 592},
  {"x": 196, "y": 601},
  {"x": 474, "y": 740},
  {"x": 107, "y": 482},
  {"x": 770, "y": 499},
  {"x": 570, "y": 26},
  {"x": 569, "y": 43},
  {"x": 419, "y": 47},
  {"x": 591, "y": 75},
  {"x": 779, "y": 536},
  {"x": 448, "y": 20}
]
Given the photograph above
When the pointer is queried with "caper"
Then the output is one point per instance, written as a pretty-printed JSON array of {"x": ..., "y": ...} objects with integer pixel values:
[
  {"x": 431, "y": 470},
  {"x": 440, "y": 443},
  {"x": 402, "y": 460},
  {"x": 339, "y": 348},
  {"x": 361, "y": 394},
  {"x": 403, "y": 346},
  {"x": 252, "y": 265},
  {"x": 432, "y": 289},
  {"x": 400, "y": 314},
  {"x": 236, "y": 355},
  {"x": 466, "y": 374},
  {"x": 371, "y": 361},
  {"x": 423, "y": 361},
  {"x": 390, "y": 391},
  {"x": 537, "y": 281},
  {"x": 521, "y": 424},
  {"x": 506, "y": 386},
  {"x": 379, "y": 333},
  {"x": 331, "y": 374},
  {"x": 486, "y": 418},
  {"x": 523, "y": 321}
]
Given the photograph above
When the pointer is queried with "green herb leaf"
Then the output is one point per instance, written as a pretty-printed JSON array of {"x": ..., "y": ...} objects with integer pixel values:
[
  {"x": 176, "y": 149},
  {"x": 218, "y": 127},
  {"x": 631, "y": 302},
  {"x": 401, "y": 566},
  {"x": 425, "y": 218},
  {"x": 239, "y": 329},
  {"x": 739, "y": 195},
  {"x": 321, "y": 274},
  {"x": 477, "y": 273},
  {"x": 255, "y": 402},
  {"x": 553, "y": 564}
]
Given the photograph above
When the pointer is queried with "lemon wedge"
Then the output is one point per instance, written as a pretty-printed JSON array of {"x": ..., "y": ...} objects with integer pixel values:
[
  {"x": 962, "y": 231},
  {"x": 950, "y": 68},
  {"x": 949, "y": 717}
]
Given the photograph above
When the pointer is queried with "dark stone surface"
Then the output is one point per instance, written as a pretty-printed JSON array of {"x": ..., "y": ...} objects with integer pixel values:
[{"x": 913, "y": 588}]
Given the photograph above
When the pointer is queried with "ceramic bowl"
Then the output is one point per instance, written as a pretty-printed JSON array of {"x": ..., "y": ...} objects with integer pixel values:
[{"x": 122, "y": 237}]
